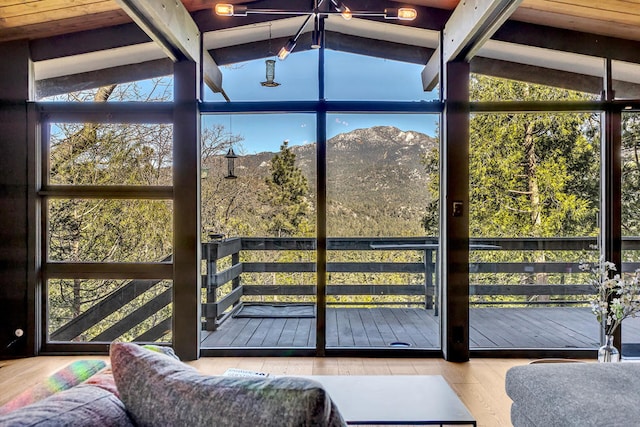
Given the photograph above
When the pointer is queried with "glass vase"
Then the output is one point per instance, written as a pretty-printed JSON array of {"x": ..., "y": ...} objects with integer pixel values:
[{"x": 608, "y": 352}]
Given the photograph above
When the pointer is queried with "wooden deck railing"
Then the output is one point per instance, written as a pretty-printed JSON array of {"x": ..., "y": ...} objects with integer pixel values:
[
  {"x": 571, "y": 289},
  {"x": 225, "y": 288},
  {"x": 113, "y": 303}
]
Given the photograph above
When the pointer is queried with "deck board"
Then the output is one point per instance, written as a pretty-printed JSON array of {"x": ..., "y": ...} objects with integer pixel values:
[
  {"x": 360, "y": 337},
  {"x": 273, "y": 334},
  {"x": 387, "y": 333},
  {"x": 535, "y": 327},
  {"x": 303, "y": 331},
  {"x": 429, "y": 333},
  {"x": 345, "y": 337},
  {"x": 371, "y": 328},
  {"x": 260, "y": 334},
  {"x": 244, "y": 335},
  {"x": 288, "y": 332}
]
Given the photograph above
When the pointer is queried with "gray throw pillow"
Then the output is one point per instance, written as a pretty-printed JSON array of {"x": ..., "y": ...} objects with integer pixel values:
[
  {"x": 159, "y": 390},
  {"x": 79, "y": 406}
]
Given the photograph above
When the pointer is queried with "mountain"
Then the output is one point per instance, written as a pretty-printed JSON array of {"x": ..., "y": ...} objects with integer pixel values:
[{"x": 376, "y": 181}]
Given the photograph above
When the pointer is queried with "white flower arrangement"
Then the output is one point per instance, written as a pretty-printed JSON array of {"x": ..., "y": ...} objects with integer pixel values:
[{"x": 615, "y": 298}]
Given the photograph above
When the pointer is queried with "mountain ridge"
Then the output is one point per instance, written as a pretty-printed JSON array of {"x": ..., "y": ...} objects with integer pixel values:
[{"x": 376, "y": 180}]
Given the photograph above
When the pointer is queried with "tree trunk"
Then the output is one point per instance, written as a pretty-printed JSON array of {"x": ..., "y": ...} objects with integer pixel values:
[{"x": 535, "y": 204}]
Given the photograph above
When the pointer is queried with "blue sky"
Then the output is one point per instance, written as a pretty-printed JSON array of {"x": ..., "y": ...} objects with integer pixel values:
[
  {"x": 265, "y": 132},
  {"x": 347, "y": 77}
]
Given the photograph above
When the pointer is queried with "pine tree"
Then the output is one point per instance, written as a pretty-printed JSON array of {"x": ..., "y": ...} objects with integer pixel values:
[
  {"x": 531, "y": 175},
  {"x": 287, "y": 188},
  {"x": 534, "y": 174}
]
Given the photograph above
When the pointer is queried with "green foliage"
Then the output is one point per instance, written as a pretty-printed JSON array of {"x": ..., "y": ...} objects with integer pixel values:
[
  {"x": 531, "y": 175},
  {"x": 227, "y": 206},
  {"x": 630, "y": 174},
  {"x": 431, "y": 220},
  {"x": 287, "y": 191},
  {"x": 107, "y": 230}
]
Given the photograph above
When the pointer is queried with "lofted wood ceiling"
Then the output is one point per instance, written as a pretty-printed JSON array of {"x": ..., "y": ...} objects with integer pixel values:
[{"x": 34, "y": 19}]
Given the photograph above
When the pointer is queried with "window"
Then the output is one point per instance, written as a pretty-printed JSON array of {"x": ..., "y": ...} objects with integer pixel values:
[{"x": 107, "y": 210}]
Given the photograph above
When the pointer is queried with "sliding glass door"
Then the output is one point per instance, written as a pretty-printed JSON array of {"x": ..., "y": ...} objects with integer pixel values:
[
  {"x": 534, "y": 209},
  {"x": 258, "y": 214},
  {"x": 382, "y": 235}
]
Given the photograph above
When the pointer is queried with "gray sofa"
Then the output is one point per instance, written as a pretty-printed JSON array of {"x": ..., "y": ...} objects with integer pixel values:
[
  {"x": 575, "y": 394},
  {"x": 149, "y": 388}
]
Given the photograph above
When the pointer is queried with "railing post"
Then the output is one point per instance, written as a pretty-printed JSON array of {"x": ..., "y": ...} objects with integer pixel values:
[
  {"x": 235, "y": 283},
  {"x": 428, "y": 278},
  {"x": 212, "y": 286}
]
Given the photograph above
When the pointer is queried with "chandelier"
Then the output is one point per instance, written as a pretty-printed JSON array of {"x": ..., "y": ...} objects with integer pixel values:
[{"x": 321, "y": 9}]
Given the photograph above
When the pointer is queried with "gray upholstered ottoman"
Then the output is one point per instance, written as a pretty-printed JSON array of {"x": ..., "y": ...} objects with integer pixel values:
[{"x": 575, "y": 394}]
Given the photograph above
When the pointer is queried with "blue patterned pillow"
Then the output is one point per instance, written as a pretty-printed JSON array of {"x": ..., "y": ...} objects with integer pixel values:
[{"x": 158, "y": 390}]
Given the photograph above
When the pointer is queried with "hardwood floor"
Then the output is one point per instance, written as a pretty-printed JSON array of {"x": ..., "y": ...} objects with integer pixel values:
[{"x": 479, "y": 382}]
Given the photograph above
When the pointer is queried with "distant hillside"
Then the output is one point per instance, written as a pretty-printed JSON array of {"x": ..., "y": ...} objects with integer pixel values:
[{"x": 377, "y": 185}]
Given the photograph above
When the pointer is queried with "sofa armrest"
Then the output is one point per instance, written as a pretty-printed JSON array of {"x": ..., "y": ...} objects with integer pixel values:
[{"x": 574, "y": 394}]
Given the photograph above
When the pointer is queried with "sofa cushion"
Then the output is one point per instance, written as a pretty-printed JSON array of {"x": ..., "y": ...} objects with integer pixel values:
[
  {"x": 575, "y": 394},
  {"x": 159, "y": 390},
  {"x": 67, "y": 377},
  {"x": 82, "y": 405}
]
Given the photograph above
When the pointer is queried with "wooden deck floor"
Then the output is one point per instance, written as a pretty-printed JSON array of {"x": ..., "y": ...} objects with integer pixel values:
[{"x": 419, "y": 328}]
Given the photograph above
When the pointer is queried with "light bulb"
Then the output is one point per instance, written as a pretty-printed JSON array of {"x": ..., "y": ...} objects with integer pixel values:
[
  {"x": 286, "y": 50},
  {"x": 346, "y": 13},
  {"x": 283, "y": 53},
  {"x": 224, "y": 9},
  {"x": 407, "y": 14}
]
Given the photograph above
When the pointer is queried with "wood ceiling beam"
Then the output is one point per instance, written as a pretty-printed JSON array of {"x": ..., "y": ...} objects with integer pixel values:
[
  {"x": 538, "y": 75},
  {"x": 95, "y": 79},
  {"x": 569, "y": 41},
  {"x": 471, "y": 24},
  {"x": 378, "y": 48},
  {"x": 334, "y": 41},
  {"x": 170, "y": 25},
  {"x": 87, "y": 42}
]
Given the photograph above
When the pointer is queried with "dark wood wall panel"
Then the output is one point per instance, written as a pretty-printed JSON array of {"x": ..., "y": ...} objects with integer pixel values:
[{"x": 14, "y": 190}]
